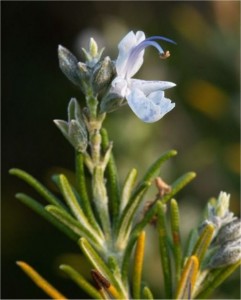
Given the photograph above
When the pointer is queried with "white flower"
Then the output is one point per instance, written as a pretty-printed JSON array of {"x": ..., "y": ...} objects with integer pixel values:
[{"x": 145, "y": 98}]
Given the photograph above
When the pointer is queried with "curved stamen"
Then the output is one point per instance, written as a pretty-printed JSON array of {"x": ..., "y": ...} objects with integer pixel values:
[
  {"x": 136, "y": 51},
  {"x": 144, "y": 44},
  {"x": 158, "y": 37}
]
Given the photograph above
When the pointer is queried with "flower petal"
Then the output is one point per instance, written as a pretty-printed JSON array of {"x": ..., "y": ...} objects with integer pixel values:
[
  {"x": 119, "y": 87},
  {"x": 150, "y": 86},
  {"x": 125, "y": 46},
  {"x": 149, "y": 108}
]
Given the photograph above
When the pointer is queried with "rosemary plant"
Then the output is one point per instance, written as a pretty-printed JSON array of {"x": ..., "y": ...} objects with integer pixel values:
[{"x": 100, "y": 216}]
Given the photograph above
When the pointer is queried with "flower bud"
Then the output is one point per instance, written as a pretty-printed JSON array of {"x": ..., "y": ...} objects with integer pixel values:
[
  {"x": 218, "y": 211},
  {"x": 77, "y": 136},
  {"x": 74, "y": 130},
  {"x": 92, "y": 55},
  {"x": 68, "y": 64},
  {"x": 229, "y": 232},
  {"x": 227, "y": 254},
  {"x": 76, "y": 72},
  {"x": 102, "y": 75},
  {"x": 111, "y": 102}
]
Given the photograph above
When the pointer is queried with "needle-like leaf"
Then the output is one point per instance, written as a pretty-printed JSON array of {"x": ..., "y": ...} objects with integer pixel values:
[
  {"x": 45, "y": 193},
  {"x": 188, "y": 278},
  {"x": 178, "y": 184},
  {"x": 175, "y": 227},
  {"x": 112, "y": 179},
  {"x": 80, "y": 281},
  {"x": 82, "y": 189},
  {"x": 74, "y": 225},
  {"x": 214, "y": 279},
  {"x": 128, "y": 213},
  {"x": 73, "y": 203},
  {"x": 154, "y": 169},
  {"x": 40, "y": 281},
  {"x": 147, "y": 293},
  {"x": 99, "y": 264},
  {"x": 138, "y": 264},
  {"x": 164, "y": 250},
  {"x": 38, "y": 208},
  {"x": 127, "y": 188},
  {"x": 203, "y": 242}
]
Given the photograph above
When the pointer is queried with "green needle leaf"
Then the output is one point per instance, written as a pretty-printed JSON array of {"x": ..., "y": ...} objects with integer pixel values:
[
  {"x": 147, "y": 293},
  {"x": 178, "y": 185},
  {"x": 38, "y": 208},
  {"x": 133, "y": 237},
  {"x": 214, "y": 279},
  {"x": 188, "y": 279},
  {"x": 175, "y": 226},
  {"x": 203, "y": 242},
  {"x": 73, "y": 204},
  {"x": 112, "y": 179},
  {"x": 192, "y": 239},
  {"x": 164, "y": 250},
  {"x": 99, "y": 264},
  {"x": 80, "y": 281},
  {"x": 74, "y": 225},
  {"x": 127, "y": 215},
  {"x": 138, "y": 264},
  {"x": 153, "y": 171},
  {"x": 37, "y": 186},
  {"x": 40, "y": 281},
  {"x": 127, "y": 188},
  {"x": 82, "y": 189}
]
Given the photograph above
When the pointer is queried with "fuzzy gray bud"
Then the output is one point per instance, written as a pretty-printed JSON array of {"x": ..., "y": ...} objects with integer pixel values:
[
  {"x": 111, "y": 102},
  {"x": 102, "y": 75},
  {"x": 229, "y": 232},
  {"x": 74, "y": 130},
  {"x": 76, "y": 72},
  {"x": 227, "y": 254}
]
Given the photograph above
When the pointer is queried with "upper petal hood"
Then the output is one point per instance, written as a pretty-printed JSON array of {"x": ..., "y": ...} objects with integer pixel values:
[{"x": 130, "y": 41}]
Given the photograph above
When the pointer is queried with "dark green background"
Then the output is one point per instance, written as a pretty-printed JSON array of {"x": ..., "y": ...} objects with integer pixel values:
[{"x": 204, "y": 126}]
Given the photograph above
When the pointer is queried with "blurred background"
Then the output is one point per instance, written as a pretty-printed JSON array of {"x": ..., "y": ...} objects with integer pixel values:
[{"x": 203, "y": 128}]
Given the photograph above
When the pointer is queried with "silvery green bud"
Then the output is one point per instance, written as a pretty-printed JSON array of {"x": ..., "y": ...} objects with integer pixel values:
[
  {"x": 102, "y": 75},
  {"x": 227, "y": 254},
  {"x": 92, "y": 55},
  {"x": 229, "y": 232},
  {"x": 77, "y": 136},
  {"x": 76, "y": 72},
  {"x": 111, "y": 102},
  {"x": 74, "y": 112},
  {"x": 74, "y": 130},
  {"x": 218, "y": 210}
]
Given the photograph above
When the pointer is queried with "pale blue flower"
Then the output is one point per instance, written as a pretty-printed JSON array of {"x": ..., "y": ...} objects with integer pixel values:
[{"x": 145, "y": 98}]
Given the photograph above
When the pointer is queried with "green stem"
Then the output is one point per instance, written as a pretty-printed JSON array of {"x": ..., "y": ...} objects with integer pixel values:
[
  {"x": 92, "y": 103},
  {"x": 101, "y": 200}
]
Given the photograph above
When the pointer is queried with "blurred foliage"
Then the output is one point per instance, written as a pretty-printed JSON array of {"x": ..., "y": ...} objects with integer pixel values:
[{"x": 204, "y": 126}]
